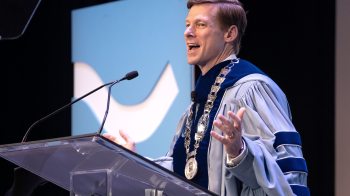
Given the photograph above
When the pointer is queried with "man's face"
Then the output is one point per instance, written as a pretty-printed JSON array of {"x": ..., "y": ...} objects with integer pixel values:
[{"x": 203, "y": 35}]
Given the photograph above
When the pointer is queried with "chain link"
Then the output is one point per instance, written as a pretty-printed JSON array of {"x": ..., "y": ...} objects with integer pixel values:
[{"x": 204, "y": 119}]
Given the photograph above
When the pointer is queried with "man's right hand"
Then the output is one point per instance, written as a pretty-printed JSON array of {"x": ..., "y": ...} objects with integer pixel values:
[{"x": 127, "y": 143}]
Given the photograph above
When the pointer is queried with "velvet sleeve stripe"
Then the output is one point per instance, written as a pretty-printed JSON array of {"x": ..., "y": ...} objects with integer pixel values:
[
  {"x": 285, "y": 138},
  {"x": 300, "y": 190},
  {"x": 292, "y": 164}
]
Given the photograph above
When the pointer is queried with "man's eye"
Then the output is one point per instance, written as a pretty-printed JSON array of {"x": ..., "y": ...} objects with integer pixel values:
[{"x": 201, "y": 25}]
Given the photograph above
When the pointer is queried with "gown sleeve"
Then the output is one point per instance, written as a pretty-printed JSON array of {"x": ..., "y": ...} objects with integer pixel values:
[{"x": 274, "y": 164}]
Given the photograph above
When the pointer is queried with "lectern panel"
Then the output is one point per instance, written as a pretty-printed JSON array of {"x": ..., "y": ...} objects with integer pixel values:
[{"x": 92, "y": 165}]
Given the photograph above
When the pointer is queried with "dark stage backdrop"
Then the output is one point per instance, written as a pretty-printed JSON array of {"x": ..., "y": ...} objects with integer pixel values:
[{"x": 292, "y": 42}]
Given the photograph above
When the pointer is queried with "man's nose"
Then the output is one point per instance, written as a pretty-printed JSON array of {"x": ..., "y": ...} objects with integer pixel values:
[{"x": 189, "y": 31}]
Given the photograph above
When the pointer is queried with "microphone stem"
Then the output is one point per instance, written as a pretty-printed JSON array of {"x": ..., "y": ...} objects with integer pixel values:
[
  {"x": 60, "y": 109},
  {"x": 107, "y": 108}
]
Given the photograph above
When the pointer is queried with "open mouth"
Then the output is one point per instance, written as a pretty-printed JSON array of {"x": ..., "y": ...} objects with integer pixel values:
[{"x": 192, "y": 46}]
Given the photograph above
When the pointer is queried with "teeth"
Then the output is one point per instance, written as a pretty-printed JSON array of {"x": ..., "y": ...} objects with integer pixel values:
[{"x": 191, "y": 46}]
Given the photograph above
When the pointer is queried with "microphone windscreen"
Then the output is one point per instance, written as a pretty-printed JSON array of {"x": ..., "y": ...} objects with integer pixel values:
[{"x": 131, "y": 75}]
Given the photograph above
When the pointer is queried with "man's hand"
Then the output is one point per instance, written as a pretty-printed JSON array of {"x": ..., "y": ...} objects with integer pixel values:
[
  {"x": 127, "y": 143},
  {"x": 232, "y": 131}
]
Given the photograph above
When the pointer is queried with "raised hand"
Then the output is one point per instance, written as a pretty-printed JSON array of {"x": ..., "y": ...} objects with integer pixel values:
[{"x": 232, "y": 131}]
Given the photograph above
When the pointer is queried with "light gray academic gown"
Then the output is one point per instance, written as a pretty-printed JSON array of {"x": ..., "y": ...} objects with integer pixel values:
[{"x": 267, "y": 113}]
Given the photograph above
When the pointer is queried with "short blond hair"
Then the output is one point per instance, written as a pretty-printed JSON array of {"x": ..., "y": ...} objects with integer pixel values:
[{"x": 230, "y": 12}]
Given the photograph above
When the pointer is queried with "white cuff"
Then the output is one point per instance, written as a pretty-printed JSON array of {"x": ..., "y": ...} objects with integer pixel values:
[{"x": 234, "y": 161}]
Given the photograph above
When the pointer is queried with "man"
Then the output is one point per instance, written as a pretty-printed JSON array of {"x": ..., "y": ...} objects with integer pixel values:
[{"x": 237, "y": 137}]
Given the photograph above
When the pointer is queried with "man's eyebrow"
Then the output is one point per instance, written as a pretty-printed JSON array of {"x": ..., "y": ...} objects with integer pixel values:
[{"x": 197, "y": 20}]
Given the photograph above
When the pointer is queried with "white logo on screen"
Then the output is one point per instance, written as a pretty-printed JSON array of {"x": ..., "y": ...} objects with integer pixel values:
[{"x": 135, "y": 119}]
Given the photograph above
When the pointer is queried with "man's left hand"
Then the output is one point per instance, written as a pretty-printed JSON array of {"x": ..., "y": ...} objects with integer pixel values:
[{"x": 231, "y": 128}]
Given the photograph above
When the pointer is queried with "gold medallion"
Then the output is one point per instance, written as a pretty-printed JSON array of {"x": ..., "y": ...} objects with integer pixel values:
[{"x": 191, "y": 168}]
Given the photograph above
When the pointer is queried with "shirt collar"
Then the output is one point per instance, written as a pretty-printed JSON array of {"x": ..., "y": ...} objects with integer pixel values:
[{"x": 232, "y": 56}]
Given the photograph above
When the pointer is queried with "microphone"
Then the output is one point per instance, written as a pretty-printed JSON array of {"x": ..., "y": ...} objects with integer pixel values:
[
  {"x": 129, "y": 76},
  {"x": 193, "y": 96}
]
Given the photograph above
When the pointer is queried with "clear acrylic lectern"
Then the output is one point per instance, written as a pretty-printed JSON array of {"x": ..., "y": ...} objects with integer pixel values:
[{"x": 92, "y": 165}]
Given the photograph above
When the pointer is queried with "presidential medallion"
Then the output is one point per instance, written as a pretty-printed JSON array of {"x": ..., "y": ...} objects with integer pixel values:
[{"x": 191, "y": 168}]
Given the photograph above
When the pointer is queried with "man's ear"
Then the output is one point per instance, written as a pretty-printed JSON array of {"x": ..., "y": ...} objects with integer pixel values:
[{"x": 231, "y": 33}]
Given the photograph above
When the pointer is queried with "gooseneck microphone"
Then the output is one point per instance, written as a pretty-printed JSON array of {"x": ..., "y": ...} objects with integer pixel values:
[{"x": 129, "y": 76}]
